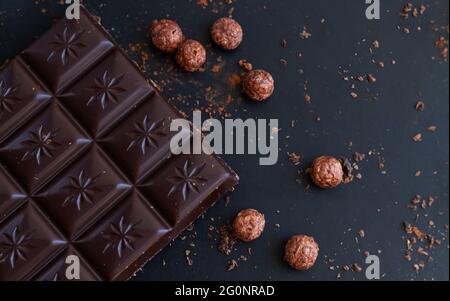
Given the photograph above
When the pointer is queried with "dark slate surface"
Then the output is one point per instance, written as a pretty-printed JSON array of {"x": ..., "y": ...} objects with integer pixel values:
[{"x": 383, "y": 119}]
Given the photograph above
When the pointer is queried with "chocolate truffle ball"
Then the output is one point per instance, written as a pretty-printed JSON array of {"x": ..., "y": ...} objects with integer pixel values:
[
  {"x": 249, "y": 224},
  {"x": 259, "y": 85},
  {"x": 301, "y": 252},
  {"x": 326, "y": 172},
  {"x": 166, "y": 35},
  {"x": 191, "y": 55},
  {"x": 227, "y": 33}
]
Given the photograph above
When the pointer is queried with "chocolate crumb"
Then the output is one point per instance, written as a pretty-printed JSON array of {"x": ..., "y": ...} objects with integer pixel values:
[
  {"x": 232, "y": 264},
  {"x": 362, "y": 233},
  {"x": 356, "y": 268},
  {"x": 203, "y": 3},
  {"x": 420, "y": 106},
  {"x": 422, "y": 9},
  {"x": 417, "y": 138},
  {"x": 442, "y": 45},
  {"x": 216, "y": 68},
  {"x": 418, "y": 233},
  {"x": 308, "y": 98},
  {"x": 304, "y": 35},
  {"x": 416, "y": 200},
  {"x": 371, "y": 79},
  {"x": 376, "y": 44},
  {"x": 245, "y": 65}
]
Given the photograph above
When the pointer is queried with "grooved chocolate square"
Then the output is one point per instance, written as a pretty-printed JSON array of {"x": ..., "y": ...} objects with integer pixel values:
[
  {"x": 11, "y": 196},
  {"x": 122, "y": 238},
  {"x": 106, "y": 93},
  {"x": 68, "y": 49},
  {"x": 27, "y": 241},
  {"x": 141, "y": 143},
  {"x": 21, "y": 97},
  {"x": 183, "y": 185},
  {"x": 42, "y": 147},
  {"x": 82, "y": 192},
  {"x": 86, "y": 168}
]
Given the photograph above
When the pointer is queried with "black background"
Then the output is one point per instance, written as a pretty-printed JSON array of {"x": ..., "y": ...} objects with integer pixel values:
[{"x": 382, "y": 119}]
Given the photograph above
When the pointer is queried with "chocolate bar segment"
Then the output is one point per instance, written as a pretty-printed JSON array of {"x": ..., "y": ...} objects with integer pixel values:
[
  {"x": 11, "y": 196},
  {"x": 42, "y": 147},
  {"x": 81, "y": 192},
  {"x": 86, "y": 169},
  {"x": 27, "y": 242},
  {"x": 21, "y": 97},
  {"x": 106, "y": 93},
  {"x": 57, "y": 269},
  {"x": 63, "y": 54},
  {"x": 185, "y": 185}
]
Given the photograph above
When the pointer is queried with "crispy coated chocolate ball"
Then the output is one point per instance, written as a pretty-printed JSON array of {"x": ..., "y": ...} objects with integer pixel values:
[
  {"x": 227, "y": 33},
  {"x": 191, "y": 55},
  {"x": 249, "y": 224},
  {"x": 166, "y": 35},
  {"x": 301, "y": 252},
  {"x": 327, "y": 172},
  {"x": 259, "y": 85}
]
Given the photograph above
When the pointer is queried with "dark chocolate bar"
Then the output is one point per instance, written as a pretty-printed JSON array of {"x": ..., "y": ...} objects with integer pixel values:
[{"x": 85, "y": 161}]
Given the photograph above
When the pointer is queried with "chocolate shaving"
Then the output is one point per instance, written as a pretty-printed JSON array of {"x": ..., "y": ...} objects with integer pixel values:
[{"x": 347, "y": 167}]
